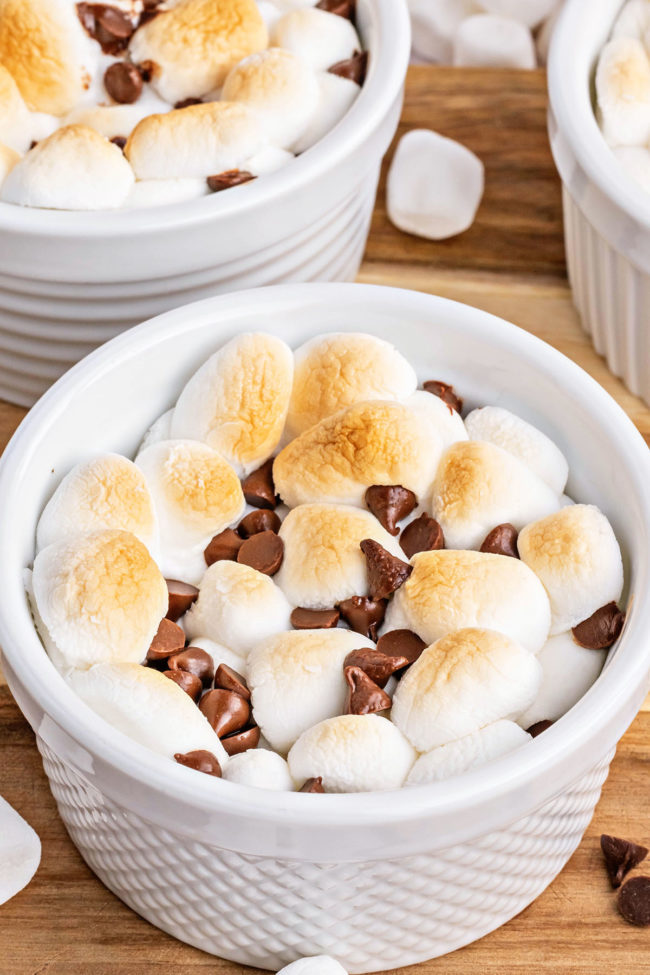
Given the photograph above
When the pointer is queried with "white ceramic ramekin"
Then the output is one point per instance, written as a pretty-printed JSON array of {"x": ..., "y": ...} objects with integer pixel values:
[
  {"x": 606, "y": 215},
  {"x": 377, "y": 880},
  {"x": 69, "y": 281}
]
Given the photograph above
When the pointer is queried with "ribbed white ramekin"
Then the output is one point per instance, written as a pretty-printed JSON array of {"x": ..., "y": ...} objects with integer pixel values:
[
  {"x": 606, "y": 215},
  {"x": 69, "y": 281},
  {"x": 377, "y": 880}
]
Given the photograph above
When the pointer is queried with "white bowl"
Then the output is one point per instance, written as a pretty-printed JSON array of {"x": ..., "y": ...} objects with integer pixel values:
[
  {"x": 606, "y": 215},
  {"x": 104, "y": 272},
  {"x": 377, "y": 880}
]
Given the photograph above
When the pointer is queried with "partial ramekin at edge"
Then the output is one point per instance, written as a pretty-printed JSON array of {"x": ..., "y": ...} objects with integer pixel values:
[
  {"x": 377, "y": 880},
  {"x": 63, "y": 272},
  {"x": 606, "y": 215}
]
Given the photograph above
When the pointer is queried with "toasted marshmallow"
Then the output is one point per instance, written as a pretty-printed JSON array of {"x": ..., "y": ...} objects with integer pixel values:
[
  {"x": 268, "y": 160},
  {"x": 633, "y": 20},
  {"x": 635, "y": 160},
  {"x": 296, "y": 680},
  {"x": 15, "y": 124},
  {"x": 487, "y": 41},
  {"x": 464, "y": 681},
  {"x": 148, "y": 707},
  {"x": 281, "y": 87},
  {"x": 335, "y": 98},
  {"x": 8, "y": 159},
  {"x": 261, "y": 769},
  {"x": 100, "y": 599},
  {"x": 568, "y": 671},
  {"x": 478, "y": 748},
  {"x": 339, "y": 369},
  {"x": 353, "y": 753},
  {"x": 434, "y": 24},
  {"x": 237, "y": 606},
  {"x": 160, "y": 429},
  {"x": 450, "y": 591},
  {"x": 323, "y": 562},
  {"x": 528, "y": 12},
  {"x": 479, "y": 485},
  {"x": 314, "y": 965},
  {"x": 369, "y": 443},
  {"x": 221, "y": 655},
  {"x": 196, "y": 494},
  {"x": 446, "y": 421},
  {"x": 162, "y": 192},
  {"x": 575, "y": 554},
  {"x": 623, "y": 92},
  {"x": 237, "y": 401},
  {"x": 528, "y": 444},
  {"x": 20, "y": 852},
  {"x": 196, "y": 42},
  {"x": 73, "y": 169},
  {"x": 111, "y": 120},
  {"x": 321, "y": 38},
  {"x": 108, "y": 492}
]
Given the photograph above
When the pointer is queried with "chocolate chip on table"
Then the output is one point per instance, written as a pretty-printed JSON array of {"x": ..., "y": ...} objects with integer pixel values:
[
  {"x": 181, "y": 597},
  {"x": 123, "y": 82},
  {"x": 538, "y": 728},
  {"x": 354, "y": 68},
  {"x": 229, "y": 680},
  {"x": 263, "y": 552},
  {"x": 364, "y": 615},
  {"x": 621, "y": 856},
  {"x": 601, "y": 629},
  {"x": 223, "y": 547},
  {"x": 110, "y": 27},
  {"x": 258, "y": 521},
  {"x": 502, "y": 540},
  {"x": 377, "y": 665},
  {"x": 194, "y": 660},
  {"x": 241, "y": 741},
  {"x": 200, "y": 760},
  {"x": 446, "y": 393},
  {"x": 342, "y": 8},
  {"x": 169, "y": 639},
  {"x": 225, "y": 710},
  {"x": 119, "y": 141},
  {"x": 259, "y": 489},
  {"x": 364, "y": 696},
  {"x": 188, "y": 102},
  {"x": 229, "y": 178},
  {"x": 424, "y": 534},
  {"x": 402, "y": 643},
  {"x": 187, "y": 682},
  {"x": 386, "y": 573},
  {"x": 389, "y": 504},
  {"x": 314, "y": 619},
  {"x": 634, "y": 901},
  {"x": 313, "y": 785}
]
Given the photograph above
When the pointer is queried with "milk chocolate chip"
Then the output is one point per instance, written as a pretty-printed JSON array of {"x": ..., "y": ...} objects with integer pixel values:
[
  {"x": 194, "y": 660},
  {"x": 424, "y": 534},
  {"x": 241, "y": 741},
  {"x": 229, "y": 680},
  {"x": 354, "y": 68},
  {"x": 225, "y": 710},
  {"x": 200, "y": 760},
  {"x": 224, "y": 546},
  {"x": 314, "y": 619},
  {"x": 389, "y": 504},
  {"x": 538, "y": 728},
  {"x": 263, "y": 552},
  {"x": 364, "y": 696},
  {"x": 377, "y": 665},
  {"x": 187, "y": 682},
  {"x": 181, "y": 597},
  {"x": 446, "y": 393},
  {"x": 123, "y": 82},
  {"x": 621, "y": 856},
  {"x": 634, "y": 901},
  {"x": 386, "y": 573},
  {"x": 313, "y": 785},
  {"x": 231, "y": 177},
  {"x": 169, "y": 639},
  {"x": 401, "y": 643},
  {"x": 601, "y": 629},
  {"x": 119, "y": 141},
  {"x": 364, "y": 615},
  {"x": 342, "y": 8},
  {"x": 502, "y": 540},
  {"x": 258, "y": 521},
  {"x": 107, "y": 25},
  {"x": 259, "y": 489}
]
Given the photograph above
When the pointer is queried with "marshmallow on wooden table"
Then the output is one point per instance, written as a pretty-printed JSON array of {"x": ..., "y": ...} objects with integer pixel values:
[
  {"x": 575, "y": 554},
  {"x": 73, "y": 169},
  {"x": 633, "y": 21},
  {"x": 237, "y": 401},
  {"x": 450, "y": 590},
  {"x": 160, "y": 429},
  {"x": 466, "y": 680},
  {"x": 322, "y": 39},
  {"x": 623, "y": 92},
  {"x": 148, "y": 707},
  {"x": 161, "y": 192},
  {"x": 478, "y": 486},
  {"x": 568, "y": 671},
  {"x": 353, "y": 753},
  {"x": 98, "y": 598},
  {"x": 323, "y": 563},
  {"x": 435, "y": 186},
  {"x": 635, "y": 161},
  {"x": 487, "y": 41},
  {"x": 196, "y": 494},
  {"x": 237, "y": 606},
  {"x": 448, "y": 422},
  {"x": 261, "y": 769},
  {"x": 20, "y": 852},
  {"x": 434, "y": 24},
  {"x": 335, "y": 98},
  {"x": 528, "y": 12},
  {"x": 221, "y": 655},
  {"x": 478, "y": 748},
  {"x": 314, "y": 965},
  {"x": 15, "y": 123},
  {"x": 296, "y": 680},
  {"x": 195, "y": 43}
]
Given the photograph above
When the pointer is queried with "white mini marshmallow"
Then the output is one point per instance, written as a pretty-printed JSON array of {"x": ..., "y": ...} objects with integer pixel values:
[
  {"x": 532, "y": 447},
  {"x": 434, "y": 24},
  {"x": 528, "y": 12},
  {"x": 448, "y": 422},
  {"x": 544, "y": 36},
  {"x": 336, "y": 96},
  {"x": 486, "y": 41},
  {"x": 472, "y": 751},
  {"x": 268, "y": 160},
  {"x": 314, "y": 965},
  {"x": 162, "y": 192},
  {"x": 635, "y": 161},
  {"x": 270, "y": 11},
  {"x": 353, "y": 753},
  {"x": 148, "y": 707},
  {"x": 435, "y": 186},
  {"x": 463, "y": 682},
  {"x": 261, "y": 769},
  {"x": 568, "y": 671},
  {"x": 296, "y": 680},
  {"x": 577, "y": 557},
  {"x": 160, "y": 429},
  {"x": 633, "y": 21},
  {"x": 20, "y": 852},
  {"x": 321, "y": 38},
  {"x": 221, "y": 655},
  {"x": 237, "y": 606},
  {"x": 623, "y": 92},
  {"x": 113, "y": 120}
]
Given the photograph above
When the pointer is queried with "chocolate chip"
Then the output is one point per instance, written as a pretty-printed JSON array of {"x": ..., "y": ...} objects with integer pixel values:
[
  {"x": 342, "y": 8},
  {"x": 364, "y": 696},
  {"x": 263, "y": 552},
  {"x": 364, "y": 615},
  {"x": 539, "y": 728},
  {"x": 181, "y": 597},
  {"x": 151, "y": 10},
  {"x": 229, "y": 680},
  {"x": 147, "y": 69},
  {"x": 424, "y": 534},
  {"x": 194, "y": 660},
  {"x": 187, "y": 682},
  {"x": 377, "y": 665},
  {"x": 110, "y": 27},
  {"x": 188, "y": 102},
  {"x": 386, "y": 573},
  {"x": 502, "y": 540},
  {"x": 446, "y": 393},
  {"x": 634, "y": 901},
  {"x": 402, "y": 643},
  {"x": 169, "y": 639},
  {"x": 229, "y": 178},
  {"x": 389, "y": 504},
  {"x": 123, "y": 82},
  {"x": 259, "y": 489},
  {"x": 200, "y": 760},
  {"x": 119, "y": 141},
  {"x": 225, "y": 710},
  {"x": 314, "y": 619},
  {"x": 258, "y": 521},
  {"x": 313, "y": 785},
  {"x": 241, "y": 741},
  {"x": 621, "y": 856},
  {"x": 224, "y": 547},
  {"x": 354, "y": 68},
  {"x": 601, "y": 629}
]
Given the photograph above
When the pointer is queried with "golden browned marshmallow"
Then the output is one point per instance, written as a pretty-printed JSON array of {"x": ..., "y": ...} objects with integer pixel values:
[
  {"x": 8, "y": 159},
  {"x": 369, "y": 443},
  {"x": 14, "y": 115},
  {"x": 196, "y": 42}
]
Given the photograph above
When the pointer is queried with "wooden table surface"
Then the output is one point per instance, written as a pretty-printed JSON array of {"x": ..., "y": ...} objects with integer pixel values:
[{"x": 510, "y": 262}]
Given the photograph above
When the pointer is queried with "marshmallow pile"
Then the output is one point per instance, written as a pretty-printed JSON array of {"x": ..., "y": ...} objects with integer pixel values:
[
  {"x": 137, "y": 103},
  {"x": 318, "y": 574}
]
